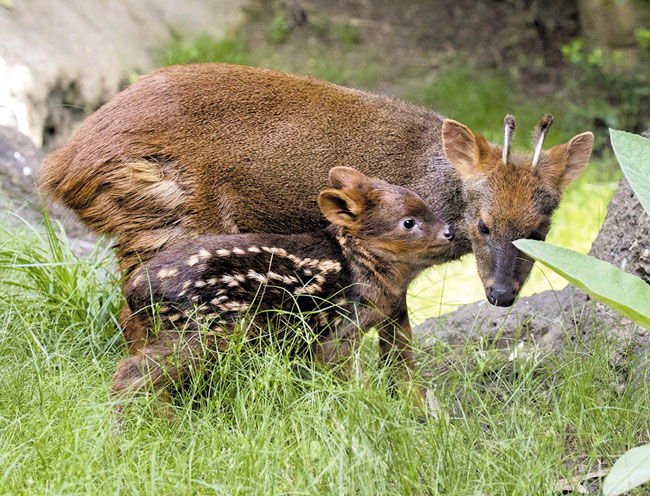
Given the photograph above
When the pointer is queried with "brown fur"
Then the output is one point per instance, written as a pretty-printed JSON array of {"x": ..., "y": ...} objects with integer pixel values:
[
  {"x": 365, "y": 259},
  {"x": 218, "y": 148}
]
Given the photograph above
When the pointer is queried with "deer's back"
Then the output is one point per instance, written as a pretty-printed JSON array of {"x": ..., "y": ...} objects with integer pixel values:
[{"x": 221, "y": 148}]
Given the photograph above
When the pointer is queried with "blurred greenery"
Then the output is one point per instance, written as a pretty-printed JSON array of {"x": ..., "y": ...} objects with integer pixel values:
[{"x": 460, "y": 88}]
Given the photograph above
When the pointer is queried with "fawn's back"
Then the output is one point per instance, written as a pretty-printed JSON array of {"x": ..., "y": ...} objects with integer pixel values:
[{"x": 380, "y": 238}]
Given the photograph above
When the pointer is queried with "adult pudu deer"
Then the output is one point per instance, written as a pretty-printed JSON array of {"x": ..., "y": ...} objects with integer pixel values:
[
  {"x": 218, "y": 148},
  {"x": 381, "y": 236}
]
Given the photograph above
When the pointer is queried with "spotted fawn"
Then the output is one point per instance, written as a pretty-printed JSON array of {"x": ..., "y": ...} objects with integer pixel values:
[{"x": 347, "y": 278}]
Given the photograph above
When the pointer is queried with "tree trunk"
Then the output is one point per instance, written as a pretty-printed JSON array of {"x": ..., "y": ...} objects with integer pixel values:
[{"x": 550, "y": 317}]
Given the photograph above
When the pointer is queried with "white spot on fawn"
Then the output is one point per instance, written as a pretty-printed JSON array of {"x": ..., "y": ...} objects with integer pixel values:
[
  {"x": 166, "y": 273},
  {"x": 309, "y": 289},
  {"x": 222, "y": 253},
  {"x": 199, "y": 284},
  {"x": 322, "y": 319},
  {"x": 283, "y": 278},
  {"x": 329, "y": 265},
  {"x": 216, "y": 301},
  {"x": 238, "y": 251},
  {"x": 204, "y": 254},
  {"x": 137, "y": 279},
  {"x": 280, "y": 252},
  {"x": 230, "y": 281},
  {"x": 234, "y": 306},
  {"x": 186, "y": 285},
  {"x": 193, "y": 260},
  {"x": 261, "y": 278},
  {"x": 254, "y": 249}
]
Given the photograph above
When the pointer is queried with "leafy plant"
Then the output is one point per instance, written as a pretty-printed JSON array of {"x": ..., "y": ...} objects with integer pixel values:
[
  {"x": 625, "y": 293},
  {"x": 629, "y": 471},
  {"x": 633, "y": 153}
]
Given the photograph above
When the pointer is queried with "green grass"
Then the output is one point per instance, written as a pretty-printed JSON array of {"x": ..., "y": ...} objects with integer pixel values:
[{"x": 278, "y": 425}]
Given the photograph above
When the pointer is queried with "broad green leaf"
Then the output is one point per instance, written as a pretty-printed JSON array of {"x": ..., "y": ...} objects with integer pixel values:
[
  {"x": 629, "y": 471},
  {"x": 624, "y": 292},
  {"x": 633, "y": 153}
]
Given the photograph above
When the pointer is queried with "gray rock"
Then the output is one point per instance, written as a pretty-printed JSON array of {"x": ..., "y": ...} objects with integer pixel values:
[{"x": 59, "y": 61}]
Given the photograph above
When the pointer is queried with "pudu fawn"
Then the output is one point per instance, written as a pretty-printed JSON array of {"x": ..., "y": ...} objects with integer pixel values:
[{"x": 381, "y": 236}]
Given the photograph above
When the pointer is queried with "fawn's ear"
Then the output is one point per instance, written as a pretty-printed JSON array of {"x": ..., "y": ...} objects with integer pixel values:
[
  {"x": 340, "y": 208},
  {"x": 469, "y": 153},
  {"x": 347, "y": 178},
  {"x": 562, "y": 164}
]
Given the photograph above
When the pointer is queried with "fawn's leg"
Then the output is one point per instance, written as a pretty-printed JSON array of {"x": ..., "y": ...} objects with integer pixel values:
[
  {"x": 395, "y": 347},
  {"x": 336, "y": 348}
]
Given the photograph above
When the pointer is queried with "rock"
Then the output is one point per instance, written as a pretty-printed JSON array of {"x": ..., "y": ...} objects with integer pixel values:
[{"x": 59, "y": 61}]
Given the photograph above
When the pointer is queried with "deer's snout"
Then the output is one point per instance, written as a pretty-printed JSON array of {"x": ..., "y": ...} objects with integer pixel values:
[{"x": 501, "y": 296}]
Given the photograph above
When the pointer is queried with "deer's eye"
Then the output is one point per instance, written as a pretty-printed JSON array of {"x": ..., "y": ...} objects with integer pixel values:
[
  {"x": 536, "y": 235},
  {"x": 483, "y": 228},
  {"x": 408, "y": 223}
]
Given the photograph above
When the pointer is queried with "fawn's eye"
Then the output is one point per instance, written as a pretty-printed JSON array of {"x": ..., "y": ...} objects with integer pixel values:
[
  {"x": 408, "y": 223},
  {"x": 483, "y": 228},
  {"x": 536, "y": 235}
]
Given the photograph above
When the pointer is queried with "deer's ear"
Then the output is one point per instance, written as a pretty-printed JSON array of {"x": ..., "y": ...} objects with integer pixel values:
[
  {"x": 469, "y": 153},
  {"x": 563, "y": 164},
  {"x": 338, "y": 207}
]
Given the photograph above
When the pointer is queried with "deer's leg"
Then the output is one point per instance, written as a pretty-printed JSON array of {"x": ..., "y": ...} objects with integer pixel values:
[
  {"x": 161, "y": 363},
  {"x": 336, "y": 349},
  {"x": 134, "y": 328}
]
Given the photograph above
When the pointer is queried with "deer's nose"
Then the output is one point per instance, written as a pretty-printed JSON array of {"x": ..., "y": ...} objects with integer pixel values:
[{"x": 501, "y": 296}]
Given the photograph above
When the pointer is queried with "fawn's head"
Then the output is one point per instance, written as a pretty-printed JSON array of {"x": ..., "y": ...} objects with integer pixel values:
[
  {"x": 388, "y": 220},
  {"x": 510, "y": 196}
]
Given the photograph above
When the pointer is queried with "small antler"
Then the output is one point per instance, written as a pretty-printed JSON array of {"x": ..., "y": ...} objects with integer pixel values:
[
  {"x": 508, "y": 129},
  {"x": 538, "y": 137}
]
